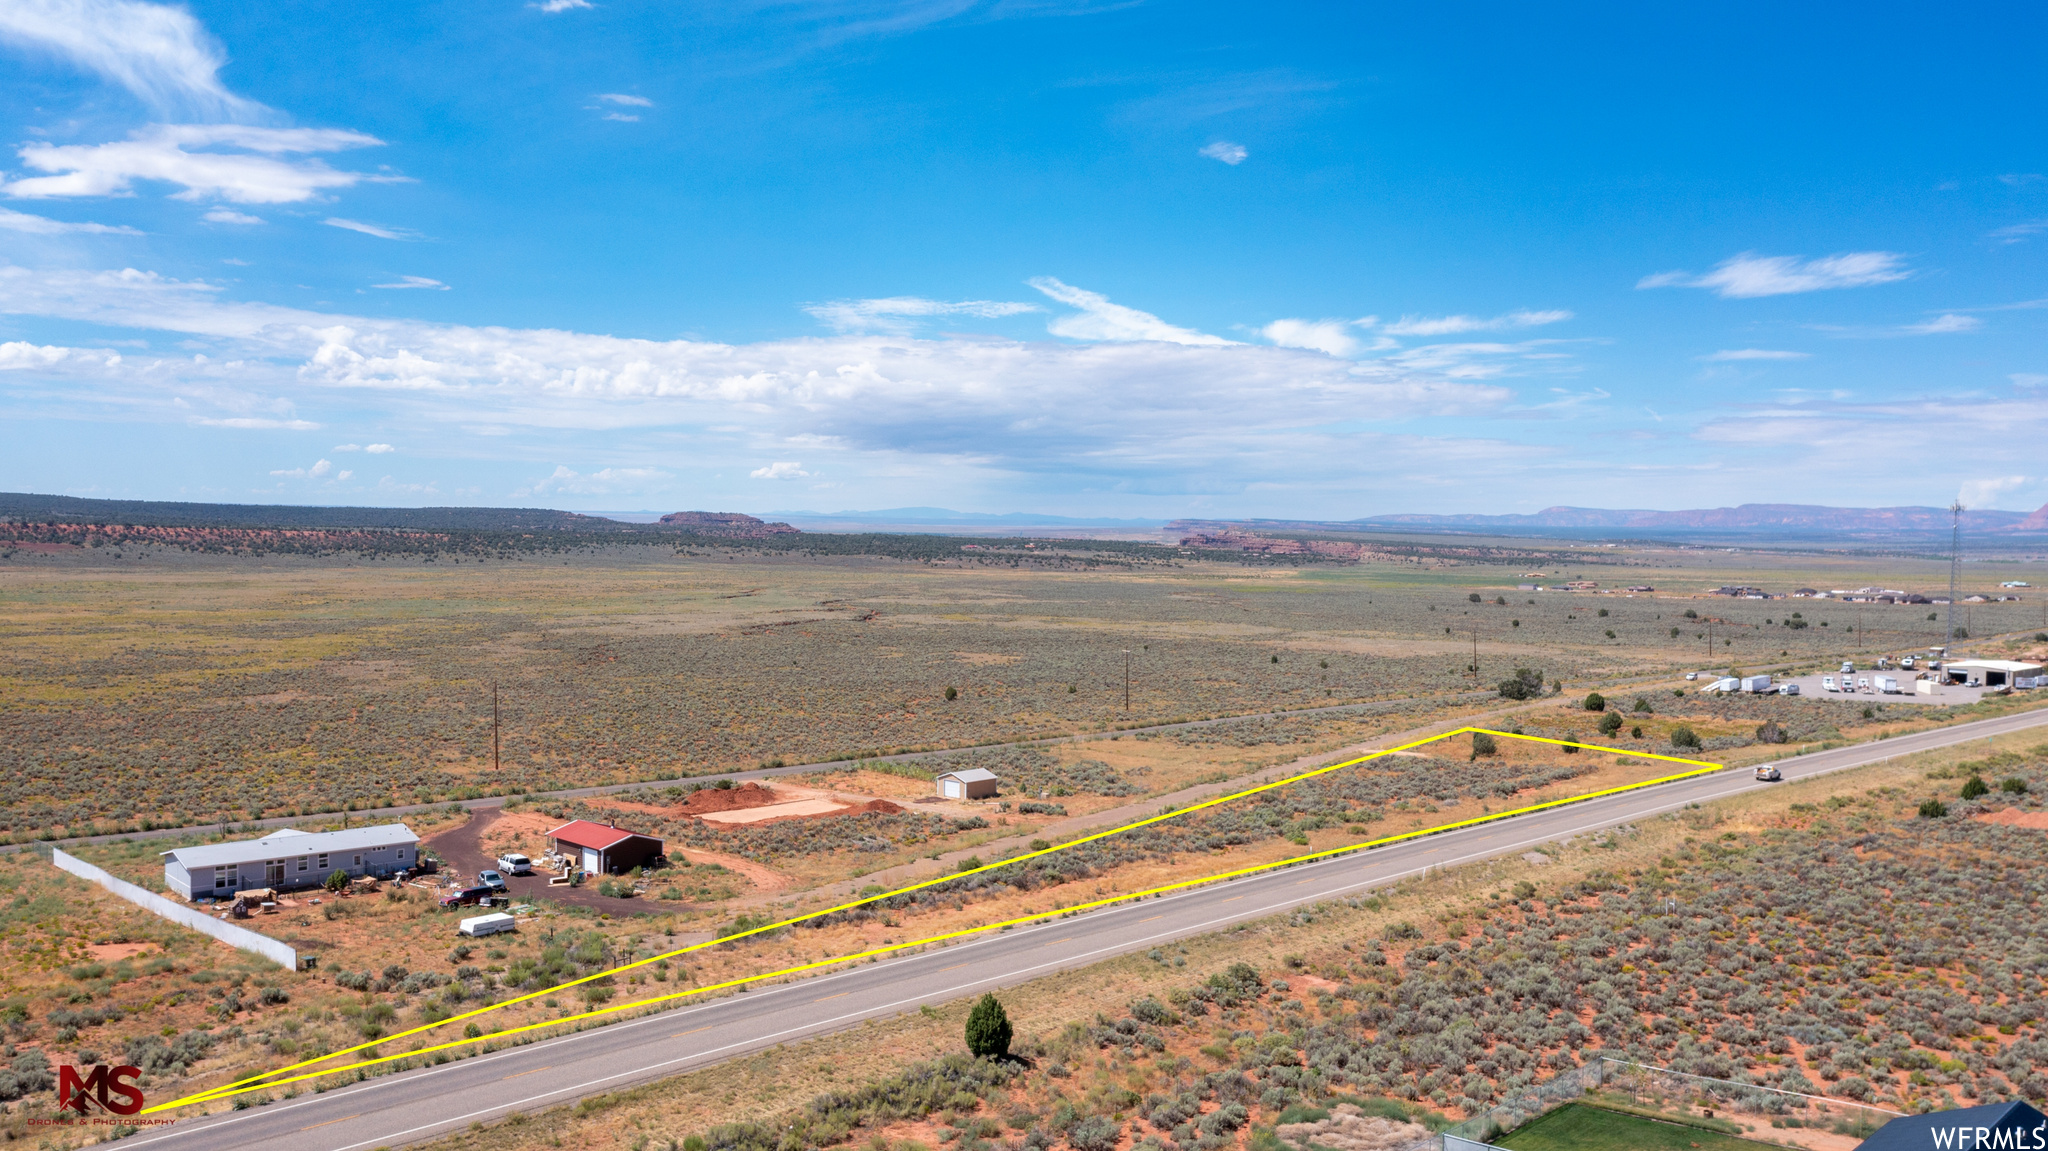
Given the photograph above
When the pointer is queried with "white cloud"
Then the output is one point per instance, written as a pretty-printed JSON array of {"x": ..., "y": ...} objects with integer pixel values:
[
  {"x": 1224, "y": 150},
  {"x": 602, "y": 482},
  {"x": 900, "y": 313},
  {"x": 1980, "y": 493},
  {"x": 376, "y": 230},
  {"x": 560, "y": 5},
  {"x": 1451, "y": 325},
  {"x": 380, "y": 449},
  {"x": 781, "y": 470},
  {"x": 348, "y": 447},
  {"x": 252, "y": 175},
  {"x": 1943, "y": 325},
  {"x": 14, "y": 221},
  {"x": 1753, "y": 354},
  {"x": 2014, "y": 233},
  {"x": 415, "y": 282},
  {"x": 1332, "y": 336},
  {"x": 622, "y": 117},
  {"x": 1121, "y": 415},
  {"x": 156, "y": 51},
  {"x": 230, "y": 216},
  {"x": 258, "y": 423},
  {"x": 623, "y": 98},
  {"x": 16, "y": 355},
  {"x": 2022, "y": 179},
  {"x": 344, "y": 477},
  {"x": 1749, "y": 275},
  {"x": 1102, "y": 320},
  {"x": 315, "y": 472}
]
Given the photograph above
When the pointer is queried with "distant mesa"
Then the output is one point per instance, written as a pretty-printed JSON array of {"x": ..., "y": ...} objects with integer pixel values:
[
  {"x": 727, "y": 525},
  {"x": 1751, "y": 518}
]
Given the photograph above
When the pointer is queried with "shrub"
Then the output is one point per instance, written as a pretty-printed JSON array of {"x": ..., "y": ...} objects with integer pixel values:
[
  {"x": 1933, "y": 809},
  {"x": 1474, "y": 597},
  {"x": 1526, "y": 684},
  {"x": 2015, "y": 786},
  {"x": 1691, "y": 614},
  {"x": 988, "y": 1028},
  {"x": 1769, "y": 732},
  {"x": 337, "y": 880},
  {"x": 1594, "y": 701},
  {"x": 1974, "y": 787},
  {"x": 1684, "y": 736},
  {"x": 1610, "y": 723},
  {"x": 1095, "y": 1133},
  {"x": 952, "y": 693},
  {"x": 1483, "y": 744}
]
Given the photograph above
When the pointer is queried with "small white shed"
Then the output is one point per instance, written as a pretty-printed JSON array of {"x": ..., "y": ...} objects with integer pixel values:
[{"x": 973, "y": 783}]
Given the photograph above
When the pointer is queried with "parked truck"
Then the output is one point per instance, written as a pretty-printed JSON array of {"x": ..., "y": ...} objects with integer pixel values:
[{"x": 1756, "y": 684}]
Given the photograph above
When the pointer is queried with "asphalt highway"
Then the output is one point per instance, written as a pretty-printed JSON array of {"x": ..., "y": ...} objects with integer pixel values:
[{"x": 408, "y": 1107}]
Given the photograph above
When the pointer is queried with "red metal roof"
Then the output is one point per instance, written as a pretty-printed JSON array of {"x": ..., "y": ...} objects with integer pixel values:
[{"x": 596, "y": 836}]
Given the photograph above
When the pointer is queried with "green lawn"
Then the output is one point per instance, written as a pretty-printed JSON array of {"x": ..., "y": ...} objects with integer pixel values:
[{"x": 1578, "y": 1127}]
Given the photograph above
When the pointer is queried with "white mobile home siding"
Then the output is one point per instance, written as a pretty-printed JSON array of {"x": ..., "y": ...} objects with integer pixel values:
[{"x": 288, "y": 859}]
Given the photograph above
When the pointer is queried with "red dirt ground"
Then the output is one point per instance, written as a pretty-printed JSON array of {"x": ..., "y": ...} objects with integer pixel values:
[{"x": 2014, "y": 817}]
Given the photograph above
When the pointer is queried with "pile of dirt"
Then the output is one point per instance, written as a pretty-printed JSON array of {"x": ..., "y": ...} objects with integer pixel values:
[
  {"x": 739, "y": 798},
  {"x": 2014, "y": 817},
  {"x": 878, "y": 806}
]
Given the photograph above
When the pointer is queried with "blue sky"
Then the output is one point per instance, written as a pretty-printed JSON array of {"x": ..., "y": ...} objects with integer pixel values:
[{"x": 1058, "y": 256}]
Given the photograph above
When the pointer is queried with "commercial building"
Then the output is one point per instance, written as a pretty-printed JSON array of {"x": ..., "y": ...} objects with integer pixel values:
[
  {"x": 1989, "y": 672},
  {"x": 288, "y": 859}
]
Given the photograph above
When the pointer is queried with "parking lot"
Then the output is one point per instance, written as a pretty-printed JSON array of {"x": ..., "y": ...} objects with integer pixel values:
[{"x": 1945, "y": 695}]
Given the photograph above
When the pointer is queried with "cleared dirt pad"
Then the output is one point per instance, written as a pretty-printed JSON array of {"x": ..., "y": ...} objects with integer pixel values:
[
  {"x": 2014, "y": 817},
  {"x": 775, "y": 811}
]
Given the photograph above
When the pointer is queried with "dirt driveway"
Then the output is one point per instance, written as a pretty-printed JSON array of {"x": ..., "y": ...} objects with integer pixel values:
[{"x": 462, "y": 852}]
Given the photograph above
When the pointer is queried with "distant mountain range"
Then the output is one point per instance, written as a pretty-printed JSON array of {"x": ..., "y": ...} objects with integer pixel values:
[{"x": 1750, "y": 519}]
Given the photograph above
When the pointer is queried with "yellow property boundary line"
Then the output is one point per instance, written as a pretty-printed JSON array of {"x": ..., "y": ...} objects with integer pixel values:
[{"x": 266, "y": 1080}]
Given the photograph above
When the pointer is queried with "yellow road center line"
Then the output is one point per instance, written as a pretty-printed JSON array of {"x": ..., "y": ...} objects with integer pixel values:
[
  {"x": 332, "y": 1122},
  {"x": 955, "y": 967},
  {"x": 264, "y": 1080},
  {"x": 1150, "y": 920},
  {"x": 517, "y": 1074},
  {"x": 1057, "y": 942},
  {"x": 832, "y": 997},
  {"x": 693, "y": 1031}
]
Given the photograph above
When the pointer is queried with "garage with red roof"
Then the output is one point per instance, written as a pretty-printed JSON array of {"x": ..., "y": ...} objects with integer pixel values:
[{"x": 605, "y": 849}]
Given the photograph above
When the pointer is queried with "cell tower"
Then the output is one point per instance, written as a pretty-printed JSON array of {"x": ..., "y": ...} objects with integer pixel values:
[{"x": 1955, "y": 570}]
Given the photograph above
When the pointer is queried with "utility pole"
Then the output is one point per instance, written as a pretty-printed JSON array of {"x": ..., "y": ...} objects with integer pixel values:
[
  {"x": 1475, "y": 656},
  {"x": 1955, "y": 563},
  {"x": 1127, "y": 679},
  {"x": 494, "y": 727}
]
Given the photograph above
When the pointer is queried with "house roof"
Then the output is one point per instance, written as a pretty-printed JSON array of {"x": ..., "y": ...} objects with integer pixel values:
[
  {"x": 1993, "y": 1125},
  {"x": 596, "y": 836},
  {"x": 291, "y": 841},
  {"x": 971, "y": 775}
]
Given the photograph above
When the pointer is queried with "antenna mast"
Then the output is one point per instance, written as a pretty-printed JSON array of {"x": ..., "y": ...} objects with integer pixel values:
[{"x": 1955, "y": 563}]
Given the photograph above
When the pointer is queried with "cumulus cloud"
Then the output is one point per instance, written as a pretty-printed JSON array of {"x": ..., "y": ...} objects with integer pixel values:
[
  {"x": 1224, "y": 150},
  {"x": 1985, "y": 492},
  {"x": 230, "y": 216},
  {"x": 1452, "y": 325},
  {"x": 1126, "y": 413},
  {"x": 404, "y": 282},
  {"x": 1102, "y": 320},
  {"x": 1332, "y": 336},
  {"x": 377, "y": 230},
  {"x": 317, "y": 471},
  {"x": 253, "y": 172},
  {"x": 14, "y": 221},
  {"x": 380, "y": 449},
  {"x": 780, "y": 470},
  {"x": 17, "y": 355},
  {"x": 900, "y": 313},
  {"x": 553, "y": 6},
  {"x": 159, "y": 53},
  {"x": 1753, "y": 354},
  {"x": 1749, "y": 275},
  {"x": 628, "y": 100}
]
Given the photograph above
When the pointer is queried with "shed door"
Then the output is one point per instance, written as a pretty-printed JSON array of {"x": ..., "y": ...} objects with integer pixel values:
[
  {"x": 951, "y": 788},
  {"x": 590, "y": 860}
]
